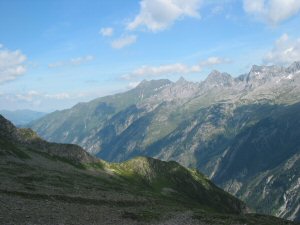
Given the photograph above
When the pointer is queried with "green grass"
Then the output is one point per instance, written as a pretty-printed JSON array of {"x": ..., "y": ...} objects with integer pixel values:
[
  {"x": 8, "y": 148},
  {"x": 144, "y": 215},
  {"x": 58, "y": 158}
]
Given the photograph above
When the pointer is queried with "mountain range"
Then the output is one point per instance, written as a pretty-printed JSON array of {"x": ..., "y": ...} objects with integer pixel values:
[
  {"x": 50, "y": 183},
  {"x": 22, "y": 117},
  {"x": 242, "y": 132}
]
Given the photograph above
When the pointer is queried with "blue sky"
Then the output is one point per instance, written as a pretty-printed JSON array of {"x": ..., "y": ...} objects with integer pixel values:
[{"x": 54, "y": 54}]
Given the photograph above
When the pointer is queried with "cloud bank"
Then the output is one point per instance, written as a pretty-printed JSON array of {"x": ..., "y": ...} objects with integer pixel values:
[
  {"x": 124, "y": 41},
  {"x": 72, "y": 62},
  {"x": 12, "y": 64},
  {"x": 172, "y": 69}
]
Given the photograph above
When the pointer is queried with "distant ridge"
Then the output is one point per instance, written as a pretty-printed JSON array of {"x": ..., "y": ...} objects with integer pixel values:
[{"x": 22, "y": 117}]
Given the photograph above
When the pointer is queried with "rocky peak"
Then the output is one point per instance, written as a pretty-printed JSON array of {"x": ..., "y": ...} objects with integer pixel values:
[
  {"x": 181, "y": 81},
  {"x": 255, "y": 73},
  {"x": 294, "y": 67},
  {"x": 147, "y": 89},
  {"x": 256, "y": 68},
  {"x": 217, "y": 78},
  {"x": 261, "y": 74},
  {"x": 181, "y": 89}
]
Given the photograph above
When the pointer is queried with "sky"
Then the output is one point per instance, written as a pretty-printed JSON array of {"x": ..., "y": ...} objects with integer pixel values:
[{"x": 56, "y": 53}]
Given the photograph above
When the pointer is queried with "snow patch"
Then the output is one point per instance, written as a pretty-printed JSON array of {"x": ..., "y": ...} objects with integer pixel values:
[{"x": 282, "y": 210}]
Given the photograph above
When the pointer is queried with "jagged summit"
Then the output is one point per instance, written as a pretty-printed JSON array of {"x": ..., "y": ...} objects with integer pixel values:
[
  {"x": 260, "y": 75},
  {"x": 257, "y": 68},
  {"x": 294, "y": 67},
  {"x": 218, "y": 78},
  {"x": 181, "y": 80}
]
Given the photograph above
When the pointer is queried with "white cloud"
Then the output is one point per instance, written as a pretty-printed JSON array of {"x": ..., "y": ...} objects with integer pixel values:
[
  {"x": 1, "y": 45},
  {"x": 80, "y": 60},
  {"x": 11, "y": 64},
  {"x": 172, "y": 69},
  {"x": 272, "y": 11},
  {"x": 72, "y": 62},
  {"x": 56, "y": 64},
  {"x": 106, "y": 31},
  {"x": 285, "y": 51},
  {"x": 211, "y": 61},
  {"x": 217, "y": 9},
  {"x": 34, "y": 96},
  {"x": 157, "y": 15},
  {"x": 42, "y": 101},
  {"x": 154, "y": 71},
  {"x": 28, "y": 97},
  {"x": 123, "y": 41},
  {"x": 59, "y": 96}
]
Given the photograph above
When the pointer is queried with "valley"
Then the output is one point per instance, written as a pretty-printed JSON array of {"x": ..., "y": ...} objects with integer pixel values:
[
  {"x": 48, "y": 183},
  {"x": 241, "y": 132}
]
